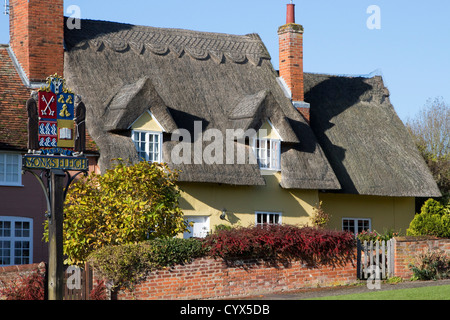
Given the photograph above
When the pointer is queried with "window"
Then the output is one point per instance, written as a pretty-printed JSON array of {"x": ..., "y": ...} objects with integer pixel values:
[
  {"x": 268, "y": 218},
  {"x": 356, "y": 226},
  {"x": 200, "y": 229},
  {"x": 268, "y": 153},
  {"x": 10, "y": 169},
  {"x": 16, "y": 243},
  {"x": 148, "y": 145}
]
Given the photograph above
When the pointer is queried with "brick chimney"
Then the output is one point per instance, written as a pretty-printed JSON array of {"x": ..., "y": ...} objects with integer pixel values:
[
  {"x": 37, "y": 37},
  {"x": 291, "y": 60}
]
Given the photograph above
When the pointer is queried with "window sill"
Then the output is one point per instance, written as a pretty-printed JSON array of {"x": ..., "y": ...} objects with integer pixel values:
[
  {"x": 265, "y": 171},
  {"x": 12, "y": 185}
]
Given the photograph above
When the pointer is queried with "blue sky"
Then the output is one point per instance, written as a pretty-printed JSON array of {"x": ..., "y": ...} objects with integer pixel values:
[{"x": 411, "y": 49}]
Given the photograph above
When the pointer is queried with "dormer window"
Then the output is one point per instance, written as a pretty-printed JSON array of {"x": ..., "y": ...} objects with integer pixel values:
[
  {"x": 267, "y": 148},
  {"x": 147, "y": 135},
  {"x": 148, "y": 145},
  {"x": 268, "y": 153}
]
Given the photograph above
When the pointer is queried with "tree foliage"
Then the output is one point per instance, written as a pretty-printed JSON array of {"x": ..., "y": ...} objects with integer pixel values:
[
  {"x": 127, "y": 204},
  {"x": 430, "y": 129}
]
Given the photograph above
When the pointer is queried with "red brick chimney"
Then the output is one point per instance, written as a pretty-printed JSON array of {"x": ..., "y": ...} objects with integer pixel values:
[
  {"x": 291, "y": 60},
  {"x": 37, "y": 37}
]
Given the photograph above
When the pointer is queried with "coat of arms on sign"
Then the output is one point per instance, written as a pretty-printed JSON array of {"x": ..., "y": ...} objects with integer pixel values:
[{"x": 58, "y": 126}]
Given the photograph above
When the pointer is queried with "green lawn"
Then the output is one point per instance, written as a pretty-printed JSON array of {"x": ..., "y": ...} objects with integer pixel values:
[{"x": 425, "y": 293}]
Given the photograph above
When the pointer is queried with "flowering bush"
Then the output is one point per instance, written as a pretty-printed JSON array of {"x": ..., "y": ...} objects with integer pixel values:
[
  {"x": 376, "y": 236},
  {"x": 311, "y": 245}
]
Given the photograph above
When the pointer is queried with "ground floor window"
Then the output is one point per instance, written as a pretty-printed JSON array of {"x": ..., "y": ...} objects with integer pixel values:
[
  {"x": 356, "y": 225},
  {"x": 268, "y": 218},
  {"x": 16, "y": 244},
  {"x": 200, "y": 229}
]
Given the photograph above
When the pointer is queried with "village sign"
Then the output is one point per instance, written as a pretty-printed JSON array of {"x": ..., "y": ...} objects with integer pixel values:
[{"x": 56, "y": 145}]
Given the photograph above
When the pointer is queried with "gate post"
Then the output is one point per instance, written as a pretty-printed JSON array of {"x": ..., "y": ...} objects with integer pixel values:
[{"x": 358, "y": 259}]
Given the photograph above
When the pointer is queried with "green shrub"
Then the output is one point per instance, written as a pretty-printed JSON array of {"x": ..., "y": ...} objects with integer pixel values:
[
  {"x": 126, "y": 264},
  {"x": 168, "y": 252},
  {"x": 431, "y": 265},
  {"x": 127, "y": 204},
  {"x": 433, "y": 220}
]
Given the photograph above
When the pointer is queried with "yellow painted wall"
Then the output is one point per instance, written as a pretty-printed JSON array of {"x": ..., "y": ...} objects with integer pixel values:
[
  {"x": 385, "y": 212},
  {"x": 242, "y": 202},
  {"x": 267, "y": 132},
  {"x": 296, "y": 206},
  {"x": 146, "y": 123}
]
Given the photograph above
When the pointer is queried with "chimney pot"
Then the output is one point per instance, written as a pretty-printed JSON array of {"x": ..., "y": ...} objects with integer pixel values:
[{"x": 290, "y": 16}]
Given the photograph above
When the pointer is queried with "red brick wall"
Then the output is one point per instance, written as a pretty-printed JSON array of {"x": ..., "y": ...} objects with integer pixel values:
[
  {"x": 405, "y": 249},
  {"x": 209, "y": 278},
  {"x": 37, "y": 35},
  {"x": 13, "y": 273}
]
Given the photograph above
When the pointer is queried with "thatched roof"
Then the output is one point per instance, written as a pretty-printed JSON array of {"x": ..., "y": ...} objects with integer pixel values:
[
  {"x": 366, "y": 143},
  {"x": 224, "y": 81}
]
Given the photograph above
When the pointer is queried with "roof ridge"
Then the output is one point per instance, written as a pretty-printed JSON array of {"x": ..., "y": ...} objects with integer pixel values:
[{"x": 200, "y": 45}]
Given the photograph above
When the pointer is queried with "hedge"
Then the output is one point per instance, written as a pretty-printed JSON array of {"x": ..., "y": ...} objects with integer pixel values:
[
  {"x": 126, "y": 264},
  {"x": 311, "y": 245}
]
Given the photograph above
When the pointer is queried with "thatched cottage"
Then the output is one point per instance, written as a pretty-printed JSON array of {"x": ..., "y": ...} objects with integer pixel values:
[{"x": 254, "y": 145}]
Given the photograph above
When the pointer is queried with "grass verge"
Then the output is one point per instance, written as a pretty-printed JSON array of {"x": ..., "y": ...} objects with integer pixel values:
[{"x": 424, "y": 293}]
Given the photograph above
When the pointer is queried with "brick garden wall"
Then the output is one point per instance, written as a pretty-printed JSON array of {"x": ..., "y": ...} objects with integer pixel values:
[
  {"x": 13, "y": 273},
  {"x": 209, "y": 279},
  {"x": 405, "y": 248}
]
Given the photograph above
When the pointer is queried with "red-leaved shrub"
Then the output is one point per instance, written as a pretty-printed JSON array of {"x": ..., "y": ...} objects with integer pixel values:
[
  {"x": 99, "y": 291},
  {"x": 311, "y": 245},
  {"x": 26, "y": 288}
]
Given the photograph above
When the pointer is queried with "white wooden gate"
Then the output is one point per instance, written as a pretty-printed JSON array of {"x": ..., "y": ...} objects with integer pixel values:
[{"x": 375, "y": 259}]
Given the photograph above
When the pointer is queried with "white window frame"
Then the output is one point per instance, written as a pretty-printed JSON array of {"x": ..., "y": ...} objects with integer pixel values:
[
  {"x": 147, "y": 142},
  {"x": 267, "y": 217},
  {"x": 14, "y": 238},
  {"x": 3, "y": 169},
  {"x": 356, "y": 224},
  {"x": 266, "y": 157}
]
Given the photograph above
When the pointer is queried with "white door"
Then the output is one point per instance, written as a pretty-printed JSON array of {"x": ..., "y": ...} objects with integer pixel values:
[{"x": 200, "y": 229}]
